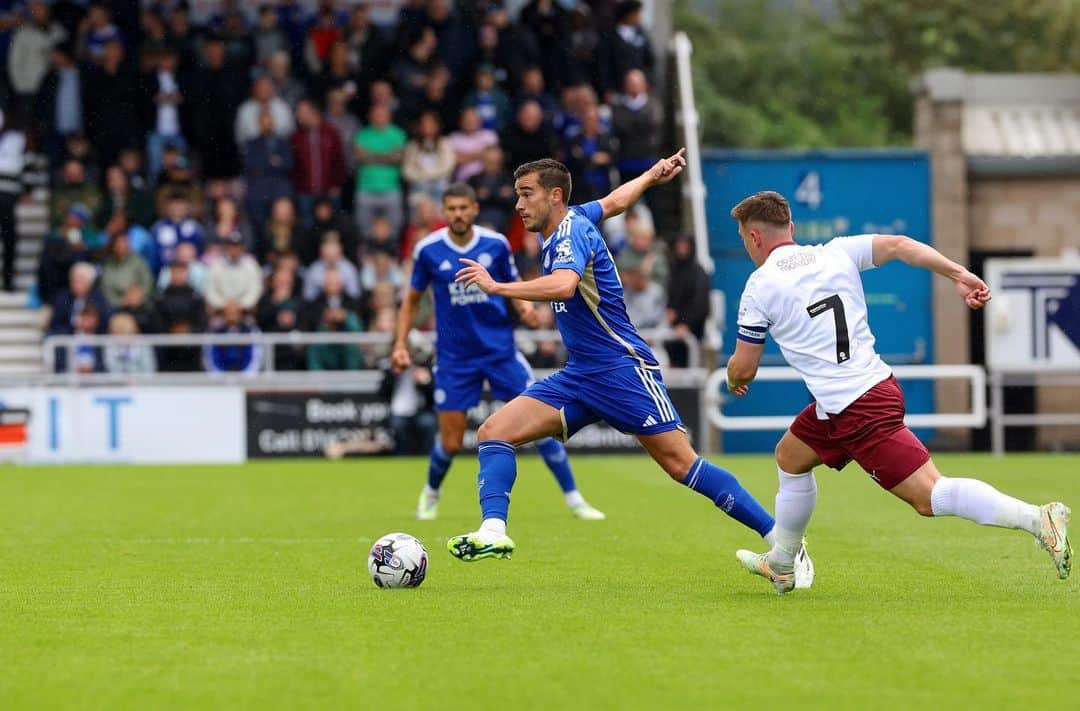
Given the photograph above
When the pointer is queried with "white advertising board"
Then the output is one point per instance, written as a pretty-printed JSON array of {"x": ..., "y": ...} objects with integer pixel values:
[
  {"x": 1033, "y": 321},
  {"x": 133, "y": 425}
]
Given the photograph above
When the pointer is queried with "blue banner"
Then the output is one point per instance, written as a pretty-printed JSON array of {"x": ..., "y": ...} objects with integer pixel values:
[{"x": 832, "y": 193}]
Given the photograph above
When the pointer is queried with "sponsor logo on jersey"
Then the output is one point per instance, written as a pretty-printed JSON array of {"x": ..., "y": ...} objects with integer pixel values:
[
  {"x": 558, "y": 307},
  {"x": 564, "y": 252},
  {"x": 460, "y": 295}
]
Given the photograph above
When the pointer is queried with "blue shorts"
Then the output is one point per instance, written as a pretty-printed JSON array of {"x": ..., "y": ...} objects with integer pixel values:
[
  {"x": 458, "y": 386},
  {"x": 629, "y": 398}
]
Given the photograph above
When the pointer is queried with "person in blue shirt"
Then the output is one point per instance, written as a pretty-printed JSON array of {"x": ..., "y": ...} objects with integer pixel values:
[
  {"x": 612, "y": 374},
  {"x": 475, "y": 341}
]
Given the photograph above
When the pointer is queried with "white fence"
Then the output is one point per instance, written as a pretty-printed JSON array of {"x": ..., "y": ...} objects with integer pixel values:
[{"x": 976, "y": 417}]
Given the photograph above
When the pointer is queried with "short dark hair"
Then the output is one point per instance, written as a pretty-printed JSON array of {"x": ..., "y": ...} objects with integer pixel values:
[
  {"x": 767, "y": 206},
  {"x": 551, "y": 174},
  {"x": 459, "y": 190}
]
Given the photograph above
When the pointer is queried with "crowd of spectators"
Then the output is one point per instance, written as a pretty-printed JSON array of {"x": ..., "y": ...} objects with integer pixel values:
[{"x": 267, "y": 168}]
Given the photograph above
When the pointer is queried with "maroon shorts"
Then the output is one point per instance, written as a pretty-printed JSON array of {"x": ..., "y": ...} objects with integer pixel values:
[{"x": 871, "y": 431}]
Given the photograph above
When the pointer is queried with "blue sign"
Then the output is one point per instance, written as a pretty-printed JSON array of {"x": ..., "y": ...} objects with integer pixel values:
[{"x": 832, "y": 194}]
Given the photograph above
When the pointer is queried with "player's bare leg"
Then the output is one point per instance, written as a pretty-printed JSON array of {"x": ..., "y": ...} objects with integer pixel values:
[
  {"x": 522, "y": 420},
  {"x": 932, "y": 494},
  {"x": 787, "y": 565},
  {"x": 451, "y": 434}
]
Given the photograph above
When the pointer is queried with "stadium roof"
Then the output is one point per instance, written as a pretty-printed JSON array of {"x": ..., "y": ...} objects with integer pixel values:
[{"x": 1014, "y": 123}]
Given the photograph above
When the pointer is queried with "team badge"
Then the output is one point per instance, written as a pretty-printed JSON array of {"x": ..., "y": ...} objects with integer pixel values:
[{"x": 485, "y": 260}]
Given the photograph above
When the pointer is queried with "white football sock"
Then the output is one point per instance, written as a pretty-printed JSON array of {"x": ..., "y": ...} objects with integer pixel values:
[
  {"x": 431, "y": 494},
  {"x": 795, "y": 502},
  {"x": 979, "y": 502},
  {"x": 574, "y": 498},
  {"x": 493, "y": 526}
]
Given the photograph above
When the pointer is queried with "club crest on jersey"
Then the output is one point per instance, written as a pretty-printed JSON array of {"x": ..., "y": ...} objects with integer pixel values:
[
  {"x": 564, "y": 252},
  {"x": 485, "y": 260}
]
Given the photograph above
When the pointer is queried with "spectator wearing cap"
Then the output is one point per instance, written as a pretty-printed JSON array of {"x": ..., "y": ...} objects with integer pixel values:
[
  {"x": 469, "y": 143},
  {"x": 121, "y": 268},
  {"x": 234, "y": 278},
  {"x": 233, "y": 358},
  {"x": 379, "y": 148},
  {"x": 529, "y": 139},
  {"x": 631, "y": 49},
  {"x": 66, "y": 245},
  {"x": 331, "y": 258},
  {"x": 429, "y": 158},
  {"x": 489, "y": 100},
  {"x": 162, "y": 98},
  {"x": 28, "y": 57},
  {"x": 636, "y": 121},
  {"x": 73, "y": 189},
  {"x": 318, "y": 166},
  {"x": 494, "y": 187},
  {"x": 176, "y": 227},
  {"x": 264, "y": 98}
]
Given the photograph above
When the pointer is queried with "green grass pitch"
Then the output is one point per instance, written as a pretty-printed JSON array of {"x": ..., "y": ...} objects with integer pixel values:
[{"x": 245, "y": 587}]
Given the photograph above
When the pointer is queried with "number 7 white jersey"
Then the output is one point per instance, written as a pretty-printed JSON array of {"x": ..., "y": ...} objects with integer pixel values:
[{"x": 810, "y": 298}]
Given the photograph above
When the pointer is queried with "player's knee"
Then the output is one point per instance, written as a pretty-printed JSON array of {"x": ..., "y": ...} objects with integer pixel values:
[
  {"x": 677, "y": 465},
  {"x": 491, "y": 429}
]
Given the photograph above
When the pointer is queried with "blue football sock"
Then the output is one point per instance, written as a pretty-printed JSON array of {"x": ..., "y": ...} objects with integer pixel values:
[
  {"x": 438, "y": 466},
  {"x": 498, "y": 469},
  {"x": 727, "y": 493},
  {"x": 554, "y": 454}
]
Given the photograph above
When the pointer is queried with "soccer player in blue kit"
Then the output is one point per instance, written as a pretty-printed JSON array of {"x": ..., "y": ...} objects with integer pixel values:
[
  {"x": 475, "y": 341},
  {"x": 612, "y": 375}
]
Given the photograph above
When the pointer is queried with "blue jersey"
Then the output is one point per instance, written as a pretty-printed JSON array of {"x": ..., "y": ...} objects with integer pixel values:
[
  {"x": 595, "y": 328},
  {"x": 470, "y": 325}
]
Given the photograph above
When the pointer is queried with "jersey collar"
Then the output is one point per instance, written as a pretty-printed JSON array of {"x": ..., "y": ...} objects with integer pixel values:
[
  {"x": 789, "y": 243},
  {"x": 461, "y": 249}
]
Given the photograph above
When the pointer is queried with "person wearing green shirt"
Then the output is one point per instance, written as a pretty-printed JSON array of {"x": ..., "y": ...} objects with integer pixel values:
[{"x": 379, "y": 148}]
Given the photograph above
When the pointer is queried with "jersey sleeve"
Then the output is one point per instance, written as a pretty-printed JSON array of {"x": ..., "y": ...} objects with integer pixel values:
[
  {"x": 859, "y": 248},
  {"x": 591, "y": 211},
  {"x": 421, "y": 275},
  {"x": 572, "y": 251},
  {"x": 753, "y": 322}
]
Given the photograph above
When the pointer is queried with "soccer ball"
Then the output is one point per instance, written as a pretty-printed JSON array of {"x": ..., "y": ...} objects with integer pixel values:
[{"x": 397, "y": 560}]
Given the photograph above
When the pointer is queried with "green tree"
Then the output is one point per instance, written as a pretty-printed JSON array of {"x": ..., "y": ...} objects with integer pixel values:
[{"x": 769, "y": 76}]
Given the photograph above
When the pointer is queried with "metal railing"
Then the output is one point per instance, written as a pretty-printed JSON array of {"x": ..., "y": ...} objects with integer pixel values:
[
  {"x": 1001, "y": 378},
  {"x": 714, "y": 398},
  {"x": 377, "y": 344}
]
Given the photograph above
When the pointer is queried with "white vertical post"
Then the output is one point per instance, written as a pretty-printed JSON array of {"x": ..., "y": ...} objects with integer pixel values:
[{"x": 693, "y": 184}]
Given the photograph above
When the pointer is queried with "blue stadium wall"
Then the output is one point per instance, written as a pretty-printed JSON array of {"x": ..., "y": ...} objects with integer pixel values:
[{"x": 832, "y": 193}]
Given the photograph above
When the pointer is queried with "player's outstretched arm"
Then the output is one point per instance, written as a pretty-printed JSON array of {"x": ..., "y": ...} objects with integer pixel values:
[
  {"x": 743, "y": 365},
  {"x": 410, "y": 305},
  {"x": 971, "y": 288},
  {"x": 621, "y": 198},
  {"x": 557, "y": 286}
]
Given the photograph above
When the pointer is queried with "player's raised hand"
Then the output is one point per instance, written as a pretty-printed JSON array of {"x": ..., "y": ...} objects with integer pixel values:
[
  {"x": 667, "y": 169},
  {"x": 400, "y": 360},
  {"x": 474, "y": 273},
  {"x": 973, "y": 290}
]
